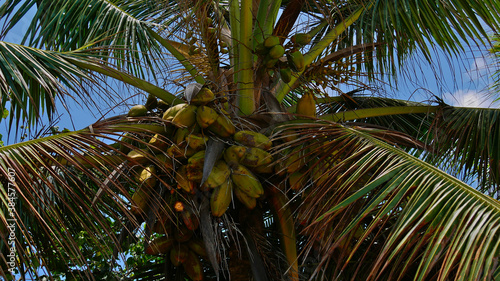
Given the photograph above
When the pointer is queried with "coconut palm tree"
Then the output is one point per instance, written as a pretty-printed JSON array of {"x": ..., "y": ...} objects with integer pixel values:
[{"x": 242, "y": 164}]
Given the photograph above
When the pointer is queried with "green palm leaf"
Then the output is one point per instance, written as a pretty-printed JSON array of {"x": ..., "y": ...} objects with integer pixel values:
[
  {"x": 32, "y": 80},
  {"x": 381, "y": 208},
  {"x": 120, "y": 26},
  {"x": 69, "y": 185},
  {"x": 446, "y": 23},
  {"x": 462, "y": 141},
  {"x": 467, "y": 141},
  {"x": 397, "y": 29},
  {"x": 495, "y": 50}
]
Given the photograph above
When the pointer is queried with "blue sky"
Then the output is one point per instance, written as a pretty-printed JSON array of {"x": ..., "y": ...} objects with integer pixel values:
[{"x": 462, "y": 81}]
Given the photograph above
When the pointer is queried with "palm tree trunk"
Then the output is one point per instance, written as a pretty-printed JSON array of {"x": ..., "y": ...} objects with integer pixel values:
[{"x": 239, "y": 264}]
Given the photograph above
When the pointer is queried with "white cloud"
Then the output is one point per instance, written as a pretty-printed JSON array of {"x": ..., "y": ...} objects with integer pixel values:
[
  {"x": 479, "y": 69},
  {"x": 469, "y": 98},
  {"x": 478, "y": 64}
]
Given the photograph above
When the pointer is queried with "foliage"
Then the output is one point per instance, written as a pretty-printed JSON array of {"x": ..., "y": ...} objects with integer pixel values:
[
  {"x": 496, "y": 52},
  {"x": 240, "y": 165}
]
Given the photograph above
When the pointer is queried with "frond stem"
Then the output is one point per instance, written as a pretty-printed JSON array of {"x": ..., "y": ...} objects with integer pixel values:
[
  {"x": 129, "y": 79},
  {"x": 377, "y": 111}
]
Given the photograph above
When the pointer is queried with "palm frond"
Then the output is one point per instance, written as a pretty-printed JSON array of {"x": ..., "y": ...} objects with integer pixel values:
[
  {"x": 32, "y": 79},
  {"x": 462, "y": 141},
  {"x": 411, "y": 124},
  {"x": 398, "y": 28},
  {"x": 63, "y": 187},
  {"x": 375, "y": 212},
  {"x": 66, "y": 25},
  {"x": 467, "y": 141},
  {"x": 445, "y": 23},
  {"x": 495, "y": 50}
]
